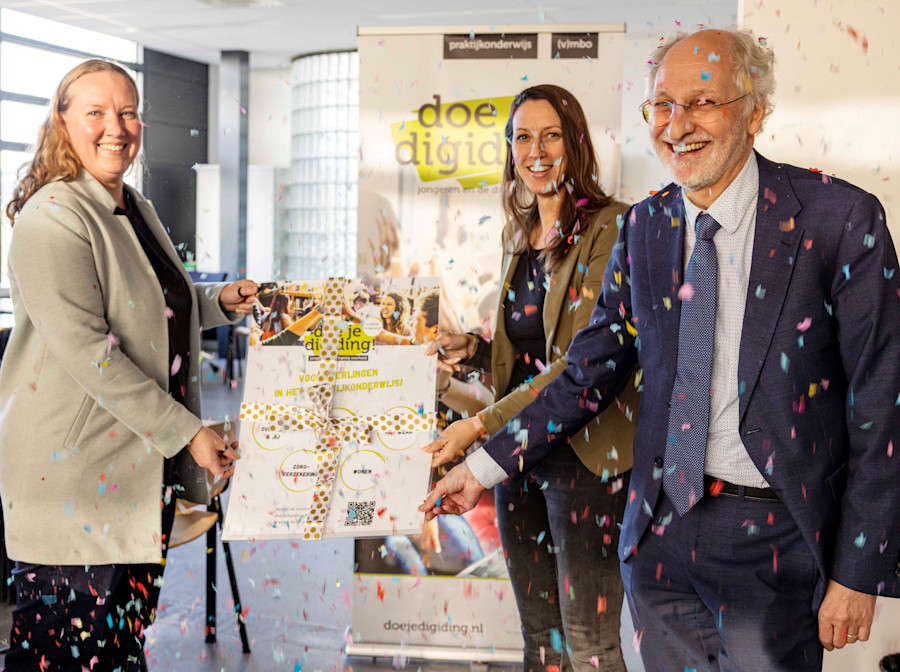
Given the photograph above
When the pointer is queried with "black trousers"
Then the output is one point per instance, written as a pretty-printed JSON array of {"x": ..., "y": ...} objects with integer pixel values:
[{"x": 74, "y": 617}]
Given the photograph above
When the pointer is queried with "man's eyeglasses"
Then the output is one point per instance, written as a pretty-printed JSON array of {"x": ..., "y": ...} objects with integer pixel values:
[{"x": 699, "y": 111}]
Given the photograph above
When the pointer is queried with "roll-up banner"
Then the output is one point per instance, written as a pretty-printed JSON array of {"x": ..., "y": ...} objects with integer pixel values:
[{"x": 433, "y": 106}]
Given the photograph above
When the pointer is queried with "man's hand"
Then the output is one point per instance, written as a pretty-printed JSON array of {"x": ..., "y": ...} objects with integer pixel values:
[
  {"x": 239, "y": 297},
  {"x": 211, "y": 452},
  {"x": 456, "y": 493},
  {"x": 845, "y": 616}
]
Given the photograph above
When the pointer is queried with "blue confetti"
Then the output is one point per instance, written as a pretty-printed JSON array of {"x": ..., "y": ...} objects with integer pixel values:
[
  {"x": 713, "y": 57},
  {"x": 556, "y": 640},
  {"x": 846, "y": 269},
  {"x": 888, "y": 274},
  {"x": 760, "y": 292},
  {"x": 705, "y": 74},
  {"x": 860, "y": 541},
  {"x": 785, "y": 362}
]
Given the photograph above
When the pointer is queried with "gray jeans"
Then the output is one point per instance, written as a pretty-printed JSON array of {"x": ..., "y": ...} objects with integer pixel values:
[{"x": 559, "y": 528}]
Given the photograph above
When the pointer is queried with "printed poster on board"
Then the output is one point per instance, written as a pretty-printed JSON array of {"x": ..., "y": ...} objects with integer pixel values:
[
  {"x": 434, "y": 102},
  {"x": 381, "y": 375}
]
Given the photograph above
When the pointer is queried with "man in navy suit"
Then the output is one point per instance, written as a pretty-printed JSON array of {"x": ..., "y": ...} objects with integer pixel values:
[{"x": 762, "y": 303}]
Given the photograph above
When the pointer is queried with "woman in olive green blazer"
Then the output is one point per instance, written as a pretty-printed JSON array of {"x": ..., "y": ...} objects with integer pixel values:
[{"x": 559, "y": 527}]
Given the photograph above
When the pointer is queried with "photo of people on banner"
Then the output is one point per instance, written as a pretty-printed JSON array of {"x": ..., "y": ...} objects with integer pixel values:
[{"x": 386, "y": 312}]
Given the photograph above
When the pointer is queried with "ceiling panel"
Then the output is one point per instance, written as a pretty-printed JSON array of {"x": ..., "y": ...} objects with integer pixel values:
[{"x": 281, "y": 29}]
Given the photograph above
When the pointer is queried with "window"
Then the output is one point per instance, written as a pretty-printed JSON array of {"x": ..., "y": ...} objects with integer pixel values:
[{"x": 321, "y": 239}]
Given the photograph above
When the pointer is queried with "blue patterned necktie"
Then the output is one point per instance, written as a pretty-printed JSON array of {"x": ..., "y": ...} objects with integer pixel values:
[{"x": 689, "y": 406}]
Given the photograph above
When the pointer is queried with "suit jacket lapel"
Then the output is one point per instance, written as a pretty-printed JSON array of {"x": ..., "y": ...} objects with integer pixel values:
[
  {"x": 775, "y": 246},
  {"x": 665, "y": 258}
]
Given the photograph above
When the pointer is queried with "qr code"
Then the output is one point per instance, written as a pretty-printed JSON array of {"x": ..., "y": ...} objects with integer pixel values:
[{"x": 360, "y": 513}]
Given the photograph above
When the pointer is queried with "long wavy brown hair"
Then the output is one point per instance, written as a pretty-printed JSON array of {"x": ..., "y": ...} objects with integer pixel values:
[
  {"x": 54, "y": 159},
  {"x": 579, "y": 184}
]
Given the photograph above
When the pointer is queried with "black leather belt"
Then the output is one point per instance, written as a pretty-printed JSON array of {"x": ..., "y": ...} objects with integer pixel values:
[{"x": 719, "y": 488}]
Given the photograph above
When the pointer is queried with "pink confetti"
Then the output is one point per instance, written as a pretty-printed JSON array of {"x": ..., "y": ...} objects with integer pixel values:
[
  {"x": 581, "y": 202},
  {"x": 111, "y": 340},
  {"x": 805, "y": 324},
  {"x": 686, "y": 292},
  {"x": 176, "y": 365},
  {"x": 890, "y": 448}
]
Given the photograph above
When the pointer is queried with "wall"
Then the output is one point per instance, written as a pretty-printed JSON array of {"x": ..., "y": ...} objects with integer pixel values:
[
  {"x": 641, "y": 171},
  {"x": 837, "y": 100},
  {"x": 269, "y": 118},
  {"x": 838, "y": 92},
  {"x": 175, "y": 137}
]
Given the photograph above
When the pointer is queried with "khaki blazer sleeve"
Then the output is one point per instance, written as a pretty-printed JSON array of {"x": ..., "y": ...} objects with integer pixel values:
[
  {"x": 209, "y": 309},
  {"x": 52, "y": 260},
  {"x": 601, "y": 240}
]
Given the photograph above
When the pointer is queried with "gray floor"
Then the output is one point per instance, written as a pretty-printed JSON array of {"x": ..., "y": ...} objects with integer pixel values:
[{"x": 295, "y": 596}]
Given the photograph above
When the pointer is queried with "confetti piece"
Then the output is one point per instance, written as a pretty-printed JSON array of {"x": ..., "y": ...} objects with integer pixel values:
[{"x": 686, "y": 292}]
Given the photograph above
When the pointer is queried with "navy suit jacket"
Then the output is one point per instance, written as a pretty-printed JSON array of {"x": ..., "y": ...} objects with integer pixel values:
[{"x": 819, "y": 367}]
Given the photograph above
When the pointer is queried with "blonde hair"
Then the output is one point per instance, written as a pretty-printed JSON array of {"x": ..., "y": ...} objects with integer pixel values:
[{"x": 54, "y": 158}]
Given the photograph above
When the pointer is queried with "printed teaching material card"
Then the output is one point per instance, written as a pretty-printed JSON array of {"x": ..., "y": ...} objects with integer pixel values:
[{"x": 338, "y": 400}]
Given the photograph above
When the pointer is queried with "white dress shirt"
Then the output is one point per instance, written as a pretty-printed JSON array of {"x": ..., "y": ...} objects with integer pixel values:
[{"x": 735, "y": 211}]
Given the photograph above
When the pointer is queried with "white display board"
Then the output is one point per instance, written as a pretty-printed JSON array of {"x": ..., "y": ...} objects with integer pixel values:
[{"x": 433, "y": 109}]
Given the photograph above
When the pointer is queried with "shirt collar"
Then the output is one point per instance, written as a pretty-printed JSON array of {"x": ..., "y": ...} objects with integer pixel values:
[{"x": 729, "y": 207}]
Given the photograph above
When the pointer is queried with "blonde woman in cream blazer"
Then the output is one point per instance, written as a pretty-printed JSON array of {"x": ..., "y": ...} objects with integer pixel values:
[
  {"x": 99, "y": 386},
  {"x": 559, "y": 522}
]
